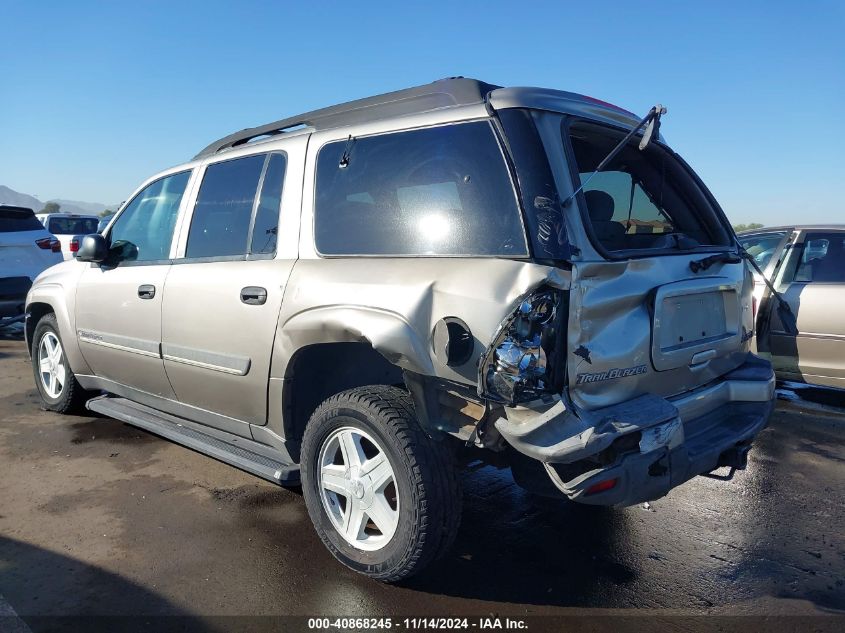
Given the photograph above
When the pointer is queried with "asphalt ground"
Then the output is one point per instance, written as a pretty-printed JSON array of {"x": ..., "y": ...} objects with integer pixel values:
[{"x": 102, "y": 524}]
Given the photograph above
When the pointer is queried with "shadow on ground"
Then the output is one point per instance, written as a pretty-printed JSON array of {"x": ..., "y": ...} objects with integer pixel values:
[{"x": 68, "y": 594}]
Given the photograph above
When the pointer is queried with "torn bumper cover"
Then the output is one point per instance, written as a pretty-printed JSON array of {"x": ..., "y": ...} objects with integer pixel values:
[{"x": 648, "y": 445}]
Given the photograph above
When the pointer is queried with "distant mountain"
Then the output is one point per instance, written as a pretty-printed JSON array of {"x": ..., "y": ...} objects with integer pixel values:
[
  {"x": 83, "y": 207},
  {"x": 10, "y": 196}
]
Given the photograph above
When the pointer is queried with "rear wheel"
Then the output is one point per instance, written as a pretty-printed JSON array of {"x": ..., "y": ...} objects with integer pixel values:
[
  {"x": 57, "y": 386},
  {"x": 382, "y": 494}
]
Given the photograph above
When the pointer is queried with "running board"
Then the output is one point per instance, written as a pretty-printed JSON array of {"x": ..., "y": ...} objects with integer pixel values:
[{"x": 232, "y": 449}]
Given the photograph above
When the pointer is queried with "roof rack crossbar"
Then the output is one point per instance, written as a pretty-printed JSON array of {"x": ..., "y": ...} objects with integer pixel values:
[{"x": 454, "y": 91}]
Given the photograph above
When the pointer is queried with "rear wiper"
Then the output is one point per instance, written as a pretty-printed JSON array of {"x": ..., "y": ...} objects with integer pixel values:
[{"x": 718, "y": 258}]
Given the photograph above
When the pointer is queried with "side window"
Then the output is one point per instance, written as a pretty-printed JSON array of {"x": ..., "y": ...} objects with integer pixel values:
[
  {"x": 144, "y": 230},
  {"x": 266, "y": 225},
  {"x": 220, "y": 224},
  {"x": 762, "y": 247},
  {"x": 821, "y": 258},
  {"x": 226, "y": 205},
  {"x": 438, "y": 191}
]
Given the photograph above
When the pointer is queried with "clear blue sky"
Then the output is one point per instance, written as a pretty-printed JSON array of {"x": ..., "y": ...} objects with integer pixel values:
[{"x": 96, "y": 96}]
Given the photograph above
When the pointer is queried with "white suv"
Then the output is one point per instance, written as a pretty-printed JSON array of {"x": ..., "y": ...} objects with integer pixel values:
[{"x": 26, "y": 249}]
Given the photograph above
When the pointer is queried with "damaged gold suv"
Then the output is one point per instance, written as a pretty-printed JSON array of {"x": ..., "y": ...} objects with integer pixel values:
[{"x": 359, "y": 298}]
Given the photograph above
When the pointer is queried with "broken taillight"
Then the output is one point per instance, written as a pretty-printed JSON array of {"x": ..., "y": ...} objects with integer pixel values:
[{"x": 515, "y": 367}]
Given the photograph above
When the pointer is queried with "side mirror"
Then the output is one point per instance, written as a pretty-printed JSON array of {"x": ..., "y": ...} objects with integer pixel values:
[{"x": 93, "y": 249}]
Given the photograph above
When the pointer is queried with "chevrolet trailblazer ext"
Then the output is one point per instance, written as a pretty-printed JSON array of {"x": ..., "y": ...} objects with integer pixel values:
[{"x": 357, "y": 298}]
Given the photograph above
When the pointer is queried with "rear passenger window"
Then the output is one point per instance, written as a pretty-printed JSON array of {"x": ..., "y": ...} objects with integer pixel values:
[
  {"x": 227, "y": 202},
  {"x": 438, "y": 191},
  {"x": 220, "y": 224},
  {"x": 266, "y": 227}
]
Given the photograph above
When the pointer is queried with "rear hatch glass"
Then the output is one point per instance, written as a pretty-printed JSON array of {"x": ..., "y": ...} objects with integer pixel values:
[
  {"x": 16, "y": 219},
  {"x": 73, "y": 226},
  {"x": 644, "y": 199}
]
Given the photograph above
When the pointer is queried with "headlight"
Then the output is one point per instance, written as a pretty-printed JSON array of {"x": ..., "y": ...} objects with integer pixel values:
[{"x": 515, "y": 366}]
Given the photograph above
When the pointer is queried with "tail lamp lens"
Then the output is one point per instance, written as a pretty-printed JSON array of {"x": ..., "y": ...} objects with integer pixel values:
[
  {"x": 49, "y": 243},
  {"x": 602, "y": 486}
]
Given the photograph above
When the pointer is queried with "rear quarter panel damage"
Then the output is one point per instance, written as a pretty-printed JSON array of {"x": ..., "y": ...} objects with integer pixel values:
[{"x": 394, "y": 304}]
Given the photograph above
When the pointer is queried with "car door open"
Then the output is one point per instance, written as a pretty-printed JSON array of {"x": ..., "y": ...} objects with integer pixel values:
[{"x": 812, "y": 280}]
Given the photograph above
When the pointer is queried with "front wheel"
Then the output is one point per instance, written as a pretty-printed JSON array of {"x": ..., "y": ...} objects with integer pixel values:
[
  {"x": 57, "y": 386},
  {"x": 382, "y": 494}
]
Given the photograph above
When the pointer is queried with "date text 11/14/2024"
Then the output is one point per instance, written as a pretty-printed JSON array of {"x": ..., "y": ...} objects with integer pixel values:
[{"x": 417, "y": 624}]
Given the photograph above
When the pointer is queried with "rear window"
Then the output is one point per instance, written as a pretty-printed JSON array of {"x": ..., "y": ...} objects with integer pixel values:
[
  {"x": 17, "y": 219},
  {"x": 442, "y": 191},
  {"x": 642, "y": 200},
  {"x": 73, "y": 226}
]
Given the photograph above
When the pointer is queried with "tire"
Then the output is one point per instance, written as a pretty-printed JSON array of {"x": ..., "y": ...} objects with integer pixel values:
[
  {"x": 70, "y": 397},
  {"x": 427, "y": 508}
]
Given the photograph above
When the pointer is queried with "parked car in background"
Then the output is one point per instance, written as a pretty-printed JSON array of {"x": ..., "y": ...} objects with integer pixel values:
[
  {"x": 104, "y": 222},
  {"x": 26, "y": 249},
  {"x": 357, "y": 297},
  {"x": 806, "y": 265},
  {"x": 69, "y": 228}
]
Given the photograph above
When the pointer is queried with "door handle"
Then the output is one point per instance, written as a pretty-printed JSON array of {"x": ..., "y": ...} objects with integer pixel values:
[
  {"x": 147, "y": 291},
  {"x": 254, "y": 295}
]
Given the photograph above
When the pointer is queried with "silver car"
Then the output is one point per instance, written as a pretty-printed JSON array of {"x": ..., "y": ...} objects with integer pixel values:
[
  {"x": 360, "y": 299},
  {"x": 806, "y": 265}
]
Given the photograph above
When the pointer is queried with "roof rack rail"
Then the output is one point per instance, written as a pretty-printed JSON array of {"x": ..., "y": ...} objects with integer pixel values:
[{"x": 453, "y": 91}]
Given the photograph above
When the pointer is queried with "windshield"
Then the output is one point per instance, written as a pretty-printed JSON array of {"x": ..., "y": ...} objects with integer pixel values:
[
  {"x": 761, "y": 247},
  {"x": 643, "y": 199},
  {"x": 73, "y": 226}
]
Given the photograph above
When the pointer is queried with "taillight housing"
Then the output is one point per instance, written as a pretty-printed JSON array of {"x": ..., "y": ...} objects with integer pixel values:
[
  {"x": 74, "y": 245},
  {"x": 516, "y": 367},
  {"x": 49, "y": 243}
]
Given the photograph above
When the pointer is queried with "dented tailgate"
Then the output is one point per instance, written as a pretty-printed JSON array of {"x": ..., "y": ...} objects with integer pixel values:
[{"x": 652, "y": 326}]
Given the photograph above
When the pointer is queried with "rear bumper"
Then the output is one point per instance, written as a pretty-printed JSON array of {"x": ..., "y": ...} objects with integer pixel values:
[
  {"x": 13, "y": 296},
  {"x": 648, "y": 445}
]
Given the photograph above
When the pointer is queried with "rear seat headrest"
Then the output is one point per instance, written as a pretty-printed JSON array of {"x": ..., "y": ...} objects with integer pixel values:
[{"x": 600, "y": 205}]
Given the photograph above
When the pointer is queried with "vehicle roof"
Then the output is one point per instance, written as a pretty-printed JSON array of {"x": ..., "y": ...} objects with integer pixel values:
[
  {"x": 794, "y": 227},
  {"x": 444, "y": 93},
  {"x": 15, "y": 208},
  {"x": 61, "y": 214}
]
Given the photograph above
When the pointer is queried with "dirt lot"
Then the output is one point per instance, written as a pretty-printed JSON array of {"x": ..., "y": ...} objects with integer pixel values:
[{"x": 100, "y": 518}]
